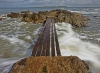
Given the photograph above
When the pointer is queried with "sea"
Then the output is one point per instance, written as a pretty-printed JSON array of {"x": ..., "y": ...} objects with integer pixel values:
[{"x": 18, "y": 38}]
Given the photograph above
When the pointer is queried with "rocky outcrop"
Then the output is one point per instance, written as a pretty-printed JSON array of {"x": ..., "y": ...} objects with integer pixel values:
[
  {"x": 15, "y": 15},
  {"x": 42, "y": 64},
  {"x": 73, "y": 18}
]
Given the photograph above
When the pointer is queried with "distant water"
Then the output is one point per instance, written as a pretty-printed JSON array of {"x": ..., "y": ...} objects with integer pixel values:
[{"x": 17, "y": 38}]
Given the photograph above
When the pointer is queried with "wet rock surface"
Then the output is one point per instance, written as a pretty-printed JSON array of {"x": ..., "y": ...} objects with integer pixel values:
[
  {"x": 2, "y": 18},
  {"x": 73, "y": 18},
  {"x": 42, "y": 64},
  {"x": 15, "y": 15}
]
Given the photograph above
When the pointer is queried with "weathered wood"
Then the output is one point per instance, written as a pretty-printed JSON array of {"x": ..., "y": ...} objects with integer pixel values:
[
  {"x": 57, "y": 43},
  {"x": 47, "y": 44},
  {"x": 37, "y": 44},
  {"x": 45, "y": 40},
  {"x": 52, "y": 39},
  {"x": 48, "y": 39}
]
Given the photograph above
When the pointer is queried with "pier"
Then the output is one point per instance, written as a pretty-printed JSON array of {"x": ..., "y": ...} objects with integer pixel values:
[
  {"x": 47, "y": 43},
  {"x": 46, "y": 55}
]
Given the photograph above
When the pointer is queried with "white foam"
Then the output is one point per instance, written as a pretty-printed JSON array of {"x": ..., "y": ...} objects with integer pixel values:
[
  {"x": 38, "y": 30},
  {"x": 6, "y": 65},
  {"x": 85, "y": 12},
  {"x": 28, "y": 37},
  {"x": 15, "y": 47},
  {"x": 98, "y": 39},
  {"x": 70, "y": 44},
  {"x": 96, "y": 9},
  {"x": 12, "y": 40}
]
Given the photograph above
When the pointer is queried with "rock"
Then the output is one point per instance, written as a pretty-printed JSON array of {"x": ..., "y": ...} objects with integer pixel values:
[
  {"x": 26, "y": 11},
  {"x": 46, "y": 64},
  {"x": 79, "y": 20},
  {"x": 27, "y": 17},
  {"x": 96, "y": 16},
  {"x": 42, "y": 18},
  {"x": 73, "y": 18},
  {"x": 61, "y": 17},
  {"x": 2, "y": 18},
  {"x": 15, "y": 15},
  {"x": 30, "y": 17}
]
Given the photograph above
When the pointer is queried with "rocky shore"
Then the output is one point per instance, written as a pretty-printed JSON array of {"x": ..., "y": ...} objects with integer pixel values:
[
  {"x": 46, "y": 64},
  {"x": 73, "y": 18}
]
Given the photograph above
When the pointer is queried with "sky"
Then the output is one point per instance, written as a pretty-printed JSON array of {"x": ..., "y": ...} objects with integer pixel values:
[{"x": 38, "y": 3}]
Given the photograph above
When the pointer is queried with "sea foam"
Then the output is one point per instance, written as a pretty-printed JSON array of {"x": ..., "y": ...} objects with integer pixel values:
[{"x": 71, "y": 44}]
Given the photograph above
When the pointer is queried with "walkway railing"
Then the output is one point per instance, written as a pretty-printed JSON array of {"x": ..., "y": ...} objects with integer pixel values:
[{"x": 47, "y": 43}]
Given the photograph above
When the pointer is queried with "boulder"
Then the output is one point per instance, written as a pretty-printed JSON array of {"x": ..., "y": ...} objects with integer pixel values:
[
  {"x": 46, "y": 64},
  {"x": 41, "y": 18},
  {"x": 15, "y": 15},
  {"x": 26, "y": 11},
  {"x": 27, "y": 17},
  {"x": 76, "y": 19},
  {"x": 30, "y": 17},
  {"x": 2, "y": 18},
  {"x": 79, "y": 20}
]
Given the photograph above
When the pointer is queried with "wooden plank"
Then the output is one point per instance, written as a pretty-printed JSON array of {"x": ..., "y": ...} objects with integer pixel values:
[
  {"x": 46, "y": 44},
  {"x": 45, "y": 41},
  {"x": 52, "y": 40},
  {"x": 37, "y": 44},
  {"x": 57, "y": 43},
  {"x": 48, "y": 38},
  {"x": 42, "y": 46}
]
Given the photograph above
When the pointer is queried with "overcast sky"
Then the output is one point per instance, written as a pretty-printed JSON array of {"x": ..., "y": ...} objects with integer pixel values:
[{"x": 35, "y": 3}]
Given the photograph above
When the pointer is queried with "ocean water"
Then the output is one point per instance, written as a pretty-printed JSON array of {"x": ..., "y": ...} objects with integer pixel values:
[{"x": 18, "y": 38}]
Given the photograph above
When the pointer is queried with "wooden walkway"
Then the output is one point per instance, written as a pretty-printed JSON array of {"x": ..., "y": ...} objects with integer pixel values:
[{"x": 47, "y": 43}]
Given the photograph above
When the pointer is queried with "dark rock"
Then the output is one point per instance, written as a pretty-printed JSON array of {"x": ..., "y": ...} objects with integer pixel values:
[
  {"x": 15, "y": 15},
  {"x": 96, "y": 16},
  {"x": 26, "y": 11}
]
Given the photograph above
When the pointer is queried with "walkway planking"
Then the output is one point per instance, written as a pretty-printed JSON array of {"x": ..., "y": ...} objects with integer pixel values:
[{"x": 47, "y": 43}]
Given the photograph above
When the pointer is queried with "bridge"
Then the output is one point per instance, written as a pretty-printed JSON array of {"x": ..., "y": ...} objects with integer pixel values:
[
  {"x": 46, "y": 56},
  {"x": 47, "y": 43}
]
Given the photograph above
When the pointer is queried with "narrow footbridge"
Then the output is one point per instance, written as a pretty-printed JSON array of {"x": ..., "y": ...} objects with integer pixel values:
[
  {"x": 43, "y": 58},
  {"x": 47, "y": 43}
]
